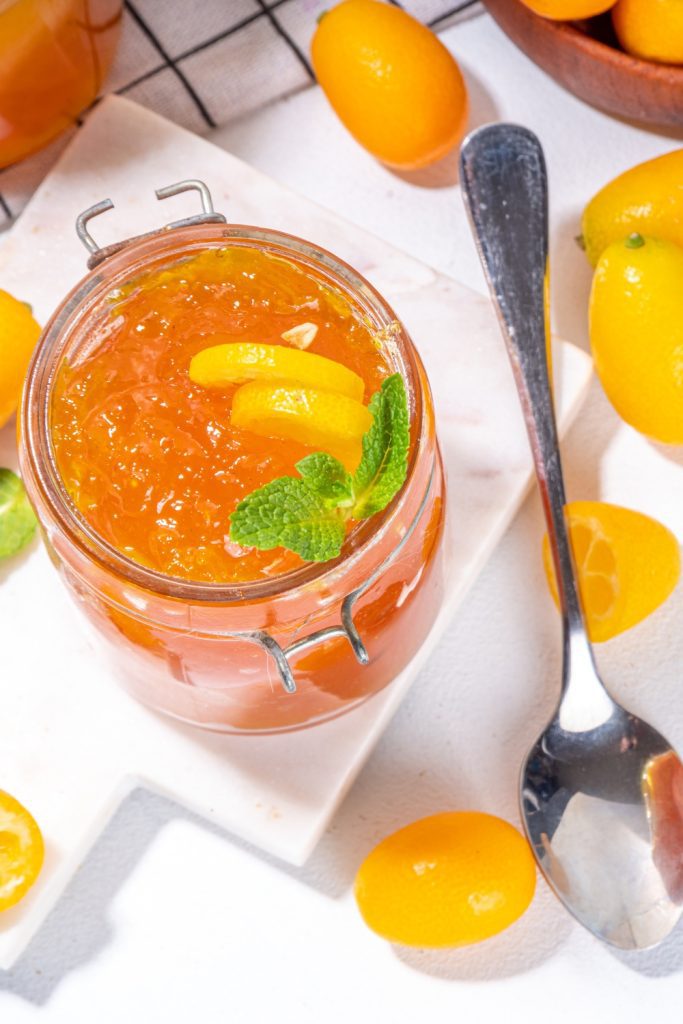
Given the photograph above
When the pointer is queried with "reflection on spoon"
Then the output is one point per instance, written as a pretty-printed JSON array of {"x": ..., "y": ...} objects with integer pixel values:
[{"x": 663, "y": 789}]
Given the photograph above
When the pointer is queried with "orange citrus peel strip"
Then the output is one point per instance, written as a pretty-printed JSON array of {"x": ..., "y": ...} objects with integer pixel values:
[{"x": 222, "y": 365}]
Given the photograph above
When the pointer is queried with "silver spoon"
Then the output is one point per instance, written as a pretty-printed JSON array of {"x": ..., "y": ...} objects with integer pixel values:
[{"x": 601, "y": 790}]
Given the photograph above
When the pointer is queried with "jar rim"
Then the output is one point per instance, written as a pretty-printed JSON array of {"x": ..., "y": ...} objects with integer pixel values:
[{"x": 79, "y": 304}]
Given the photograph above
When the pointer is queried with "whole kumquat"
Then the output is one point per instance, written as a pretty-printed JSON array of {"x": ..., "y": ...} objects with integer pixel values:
[
  {"x": 448, "y": 880},
  {"x": 647, "y": 198},
  {"x": 636, "y": 333},
  {"x": 652, "y": 29},
  {"x": 391, "y": 82},
  {"x": 568, "y": 10}
]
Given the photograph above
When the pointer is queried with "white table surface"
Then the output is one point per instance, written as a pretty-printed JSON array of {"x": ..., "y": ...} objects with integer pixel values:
[{"x": 170, "y": 919}]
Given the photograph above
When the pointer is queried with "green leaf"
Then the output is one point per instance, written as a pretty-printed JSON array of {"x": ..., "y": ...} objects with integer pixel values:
[
  {"x": 328, "y": 478},
  {"x": 17, "y": 520},
  {"x": 308, "y": 514},
  {"x": 383, "y": 466},
  {"x": 287, "y": 513}
]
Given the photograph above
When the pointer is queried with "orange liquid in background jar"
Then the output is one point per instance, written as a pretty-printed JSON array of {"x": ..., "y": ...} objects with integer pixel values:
[
  {"x": 154, "y": 466},
  {"x": 151, "y": 459},
  {"x": 54, "y": 55}
]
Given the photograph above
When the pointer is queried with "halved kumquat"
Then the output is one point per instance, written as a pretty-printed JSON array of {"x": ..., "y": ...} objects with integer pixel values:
[
  {"x": 627, "y": 562},
  {"x": 21, "y": 851},
  {"x": 221, "y": 365},
  {"x": 322, "y": 420}
]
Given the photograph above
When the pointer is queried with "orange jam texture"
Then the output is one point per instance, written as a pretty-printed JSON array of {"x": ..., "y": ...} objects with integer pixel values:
[{"x": 149, "y": 458}]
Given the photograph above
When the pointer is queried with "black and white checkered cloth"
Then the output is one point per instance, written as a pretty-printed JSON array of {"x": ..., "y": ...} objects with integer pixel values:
[{"x": 203, "y": 63}]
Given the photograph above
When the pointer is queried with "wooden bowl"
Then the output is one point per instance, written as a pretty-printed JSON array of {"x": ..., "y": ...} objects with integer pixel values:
[{"x": 584, "y": 58}]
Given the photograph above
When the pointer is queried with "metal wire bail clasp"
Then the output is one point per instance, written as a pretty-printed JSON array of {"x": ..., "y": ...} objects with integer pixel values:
[
  {"x": 97, "y": 254},
  {"x": 347, "y": 627}
]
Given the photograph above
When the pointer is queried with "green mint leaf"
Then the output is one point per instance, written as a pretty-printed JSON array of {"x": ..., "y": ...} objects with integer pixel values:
[
  {"x": 308, "y": 514},
  {"x": 328, "y": 478},
  {"x": 384, "y": 462},
  {"x": 287, "y": 513},
  {"x": 17, "y": 521}
]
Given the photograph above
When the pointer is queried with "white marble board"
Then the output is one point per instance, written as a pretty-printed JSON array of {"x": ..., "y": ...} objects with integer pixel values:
[{"x": 72, "y": 744}]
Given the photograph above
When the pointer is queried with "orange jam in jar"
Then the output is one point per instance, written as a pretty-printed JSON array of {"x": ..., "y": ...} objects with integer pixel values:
[
  {"x": 127, "y": 416},
  {"x": 54, "y": 56},
  {"x": 135, "y": 469}
]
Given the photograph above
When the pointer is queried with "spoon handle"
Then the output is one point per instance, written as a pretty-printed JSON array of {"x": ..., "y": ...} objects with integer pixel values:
[{"x": 504, "y": 182}]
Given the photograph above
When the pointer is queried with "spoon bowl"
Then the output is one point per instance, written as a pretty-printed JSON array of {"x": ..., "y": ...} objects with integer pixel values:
[
  {"x": 601, "y": 790},
  {"x": 600, "y": 811}
]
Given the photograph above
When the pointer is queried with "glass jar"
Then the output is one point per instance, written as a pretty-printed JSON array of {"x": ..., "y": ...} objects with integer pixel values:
[
  {"x": 54, "y": 55},
  {"x": 273, "y": 654}
]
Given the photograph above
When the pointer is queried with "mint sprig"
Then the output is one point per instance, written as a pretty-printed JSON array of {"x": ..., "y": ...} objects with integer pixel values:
[
  {"x": 308, "y": 514},
  {"x": 383, "y": 465},
  {"x": 17, "y": 520}
]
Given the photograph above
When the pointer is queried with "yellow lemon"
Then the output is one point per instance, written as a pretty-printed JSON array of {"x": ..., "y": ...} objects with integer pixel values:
[
  {"x": 647, "y": 198},
  {"x": 448, "y": 880},
  {"x": 221, "y": 365},
  {"x": 322, "y": 420},
  {"x": 19, "y": 333},
  {"x": 627, "y": 562},
  {"x": 636, "y": 333}
]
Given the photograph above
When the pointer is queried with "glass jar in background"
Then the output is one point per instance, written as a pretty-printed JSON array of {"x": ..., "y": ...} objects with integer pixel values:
[
  {"x": 54, "y": 55},
  {"x": 221, "y": 656}
]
